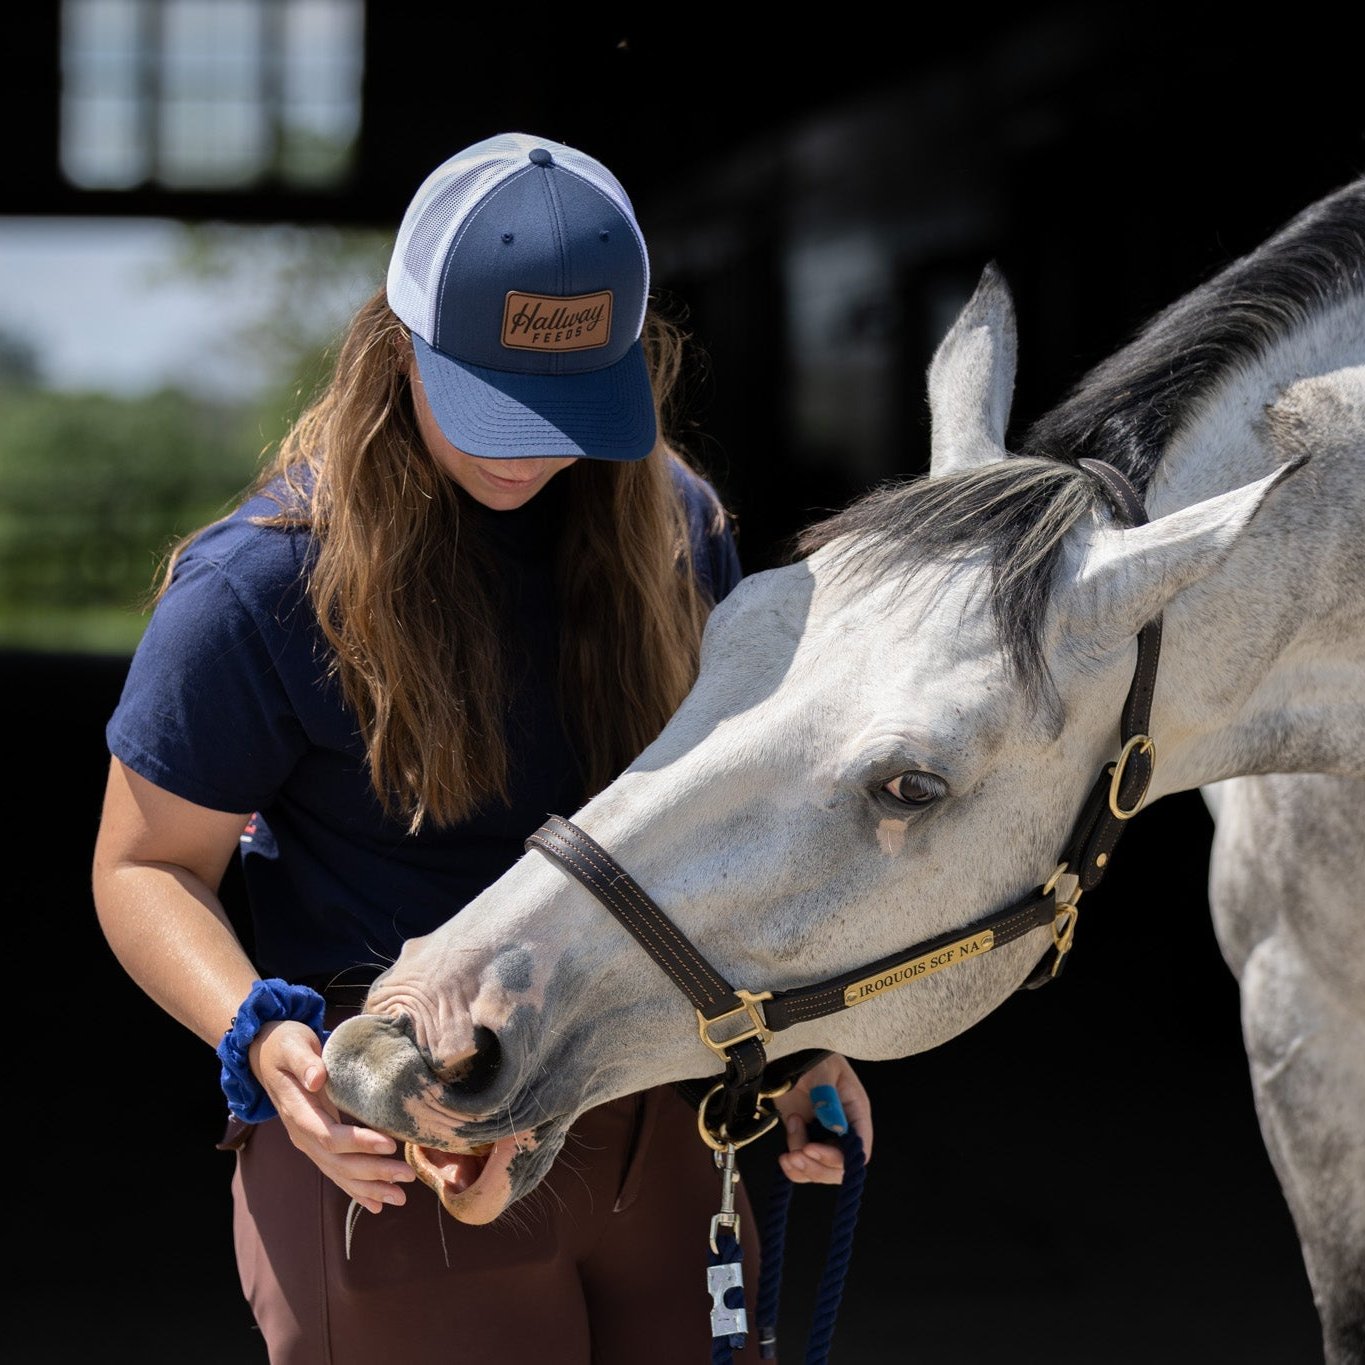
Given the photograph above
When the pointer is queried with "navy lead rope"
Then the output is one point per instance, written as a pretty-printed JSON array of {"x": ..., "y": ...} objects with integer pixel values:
[{"x": 831, "y": 1290}]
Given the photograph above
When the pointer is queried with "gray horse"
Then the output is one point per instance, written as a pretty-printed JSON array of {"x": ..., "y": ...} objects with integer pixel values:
[{"x": 891, "y": 737}]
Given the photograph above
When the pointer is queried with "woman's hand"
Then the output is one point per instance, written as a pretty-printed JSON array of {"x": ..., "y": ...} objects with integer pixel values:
[
  {"x": 822, "y": 1163},
  {"x": 287, "y": 1059}
]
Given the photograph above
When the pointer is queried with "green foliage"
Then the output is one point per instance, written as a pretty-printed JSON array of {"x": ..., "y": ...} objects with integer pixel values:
[
  {"x": 96, "y": 488},
  {"x": 307, "y": 282},
  {"x": 18, "y": 359}
]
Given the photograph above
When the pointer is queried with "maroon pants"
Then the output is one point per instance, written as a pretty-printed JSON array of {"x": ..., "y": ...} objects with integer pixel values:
[{"x": 603, "y": 1264}]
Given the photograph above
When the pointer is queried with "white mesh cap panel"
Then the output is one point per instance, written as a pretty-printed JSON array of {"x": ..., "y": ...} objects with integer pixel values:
[{"x": 446, "y": 198}]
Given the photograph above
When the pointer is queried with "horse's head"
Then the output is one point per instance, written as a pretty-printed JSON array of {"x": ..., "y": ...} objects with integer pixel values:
[{"x": 888, "y": 740}]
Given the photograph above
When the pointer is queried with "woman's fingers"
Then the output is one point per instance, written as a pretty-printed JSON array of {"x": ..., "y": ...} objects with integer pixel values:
[
  {"x": 812, "y": 1163},
  {"x": 831, "y": 1093}
]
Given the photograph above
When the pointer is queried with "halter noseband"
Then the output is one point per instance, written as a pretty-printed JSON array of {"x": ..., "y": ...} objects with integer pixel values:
[{"x": 736, "y": 1024}]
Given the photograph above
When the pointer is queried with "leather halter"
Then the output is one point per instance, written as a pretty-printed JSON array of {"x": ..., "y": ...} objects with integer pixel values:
[{"x": 736, "y": 1024}]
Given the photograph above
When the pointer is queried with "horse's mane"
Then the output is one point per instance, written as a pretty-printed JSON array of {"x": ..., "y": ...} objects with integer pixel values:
[{"x": 1125, "y": 411}]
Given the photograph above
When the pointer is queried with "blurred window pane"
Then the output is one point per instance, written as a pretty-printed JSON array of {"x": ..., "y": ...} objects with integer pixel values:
[
  {"x": 210, "y": 94},
  {"x": 103, "y": 146},
  {"x": 322, "y": 65}
]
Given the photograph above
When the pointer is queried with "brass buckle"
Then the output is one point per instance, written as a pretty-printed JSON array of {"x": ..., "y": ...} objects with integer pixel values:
[
  {"x": 758, "y": 1027},
  {"x": 1148, "y": 746},
  {"x": 718, "y": 1142},
  {"x": 1064, "y": 921},
  {"x": 1050, "y": 885},
  {"x": 1066, "y": 918}
]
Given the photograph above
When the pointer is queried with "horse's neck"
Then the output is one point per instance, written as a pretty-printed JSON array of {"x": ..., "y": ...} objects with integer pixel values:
[{"x": 1263, "y": 661}]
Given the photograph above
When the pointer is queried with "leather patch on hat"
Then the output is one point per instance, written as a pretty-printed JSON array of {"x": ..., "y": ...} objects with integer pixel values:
[{"x": 541, "y": 322}]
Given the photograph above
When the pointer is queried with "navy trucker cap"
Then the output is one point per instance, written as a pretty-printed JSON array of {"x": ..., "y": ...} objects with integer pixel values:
[{"x": 523, "y": 277}]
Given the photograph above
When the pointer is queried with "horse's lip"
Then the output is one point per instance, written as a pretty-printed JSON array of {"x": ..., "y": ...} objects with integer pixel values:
[
  {"x": 473, "y": 1185},
  {"x": 457, "y": 1168}
]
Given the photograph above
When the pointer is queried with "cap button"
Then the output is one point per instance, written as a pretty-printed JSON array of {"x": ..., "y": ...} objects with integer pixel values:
[{"x": 538, "y": 156}]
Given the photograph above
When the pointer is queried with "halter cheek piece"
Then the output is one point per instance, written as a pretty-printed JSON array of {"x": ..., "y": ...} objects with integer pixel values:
[{"x": 736, "y": 1024}]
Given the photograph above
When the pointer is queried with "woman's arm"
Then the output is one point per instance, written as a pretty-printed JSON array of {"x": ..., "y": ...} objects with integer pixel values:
[{"x": 159, "y": 861}]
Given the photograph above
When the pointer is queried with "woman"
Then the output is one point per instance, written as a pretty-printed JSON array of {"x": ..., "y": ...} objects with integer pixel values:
[{"x": 467, "y": 592}]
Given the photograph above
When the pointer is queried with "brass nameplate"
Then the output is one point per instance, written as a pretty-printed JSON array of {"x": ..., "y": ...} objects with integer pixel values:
[{"x": 905, "y": 972}]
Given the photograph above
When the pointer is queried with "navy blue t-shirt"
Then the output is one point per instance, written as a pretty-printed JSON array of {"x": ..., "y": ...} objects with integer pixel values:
[{"x": 227, "y": 704}]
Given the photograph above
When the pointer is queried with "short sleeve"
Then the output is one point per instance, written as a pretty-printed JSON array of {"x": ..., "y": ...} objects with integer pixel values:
[
  {"x": 715, "y": 556},
  {"x": 204, "y": 712},
  {"x": 724, "y": 556}
]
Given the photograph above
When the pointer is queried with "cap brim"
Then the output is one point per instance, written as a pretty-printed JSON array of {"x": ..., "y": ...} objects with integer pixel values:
[{"x": 605, "y": 414}]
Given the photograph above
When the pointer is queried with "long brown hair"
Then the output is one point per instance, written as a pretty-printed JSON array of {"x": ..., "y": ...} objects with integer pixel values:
[{"x": 413, "y": 629}]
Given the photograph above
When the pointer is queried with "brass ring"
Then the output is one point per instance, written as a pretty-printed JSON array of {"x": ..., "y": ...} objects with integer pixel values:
[
  {"x": 719, "y": 1142},
  {"x": 1148, "y": 746},
  {"x": 1051, "y": 884}
]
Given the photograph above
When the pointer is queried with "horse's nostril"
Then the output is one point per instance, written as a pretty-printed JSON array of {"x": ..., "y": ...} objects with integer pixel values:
[{"x": 471, "y": 1075}]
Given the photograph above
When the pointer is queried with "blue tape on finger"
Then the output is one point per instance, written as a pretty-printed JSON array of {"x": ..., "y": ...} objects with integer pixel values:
[{"x": 828, "y": 1109}]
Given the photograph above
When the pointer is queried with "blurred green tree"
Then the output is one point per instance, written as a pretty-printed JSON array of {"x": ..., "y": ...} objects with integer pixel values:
[{"x": 97, "y": 487}]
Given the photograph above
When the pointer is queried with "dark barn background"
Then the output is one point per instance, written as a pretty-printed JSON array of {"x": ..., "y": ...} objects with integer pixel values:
[{"x": 1080, "y": 1178}]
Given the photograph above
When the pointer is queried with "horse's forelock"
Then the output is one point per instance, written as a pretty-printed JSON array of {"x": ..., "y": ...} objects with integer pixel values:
[{"x": 1015, "y": 513}]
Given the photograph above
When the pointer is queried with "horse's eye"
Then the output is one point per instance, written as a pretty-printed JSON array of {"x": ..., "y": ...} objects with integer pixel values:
[{"x": 915, "y": 788}]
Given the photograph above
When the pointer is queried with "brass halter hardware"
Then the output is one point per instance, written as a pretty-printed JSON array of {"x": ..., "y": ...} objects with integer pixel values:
[
  {"x": 758, "y": 1027},
  {"x": 1144, "y": 744},
  {"x": 718, "y": 1142},
  {"x": 1064, "y": 922}
]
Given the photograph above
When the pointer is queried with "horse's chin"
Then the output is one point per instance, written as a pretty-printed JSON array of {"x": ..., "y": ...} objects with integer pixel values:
[{"x": 474, "y": 1186}]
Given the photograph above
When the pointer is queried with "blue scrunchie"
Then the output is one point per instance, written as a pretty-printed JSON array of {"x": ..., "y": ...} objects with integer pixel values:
[{"x": 269, "y": 1000}]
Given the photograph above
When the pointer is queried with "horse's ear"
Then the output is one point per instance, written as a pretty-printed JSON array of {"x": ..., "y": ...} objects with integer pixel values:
[
  {"x": 1128, "y": 577},
  {"x": 971, "y": 380}
]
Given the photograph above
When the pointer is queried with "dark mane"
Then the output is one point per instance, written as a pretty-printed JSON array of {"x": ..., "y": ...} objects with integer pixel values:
[
  {"x": 1016, "y": 512},
  {"x": 1127, "y": 409}
]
